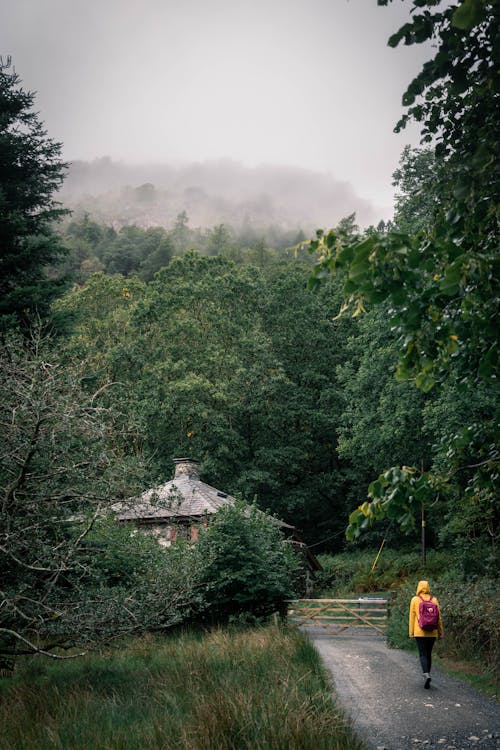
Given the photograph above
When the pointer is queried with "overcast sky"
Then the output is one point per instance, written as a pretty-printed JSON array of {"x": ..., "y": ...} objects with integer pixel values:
[{"x": 308, "y": 83}]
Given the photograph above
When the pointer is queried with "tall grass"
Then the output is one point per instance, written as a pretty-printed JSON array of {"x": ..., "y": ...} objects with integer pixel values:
[{"x": 262, "y": 688}]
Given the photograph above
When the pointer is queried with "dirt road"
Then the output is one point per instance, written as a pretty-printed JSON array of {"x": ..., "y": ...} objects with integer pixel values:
[{"x": 381, "y": 689}]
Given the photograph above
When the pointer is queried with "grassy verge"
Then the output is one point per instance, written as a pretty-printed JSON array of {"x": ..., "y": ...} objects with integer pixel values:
[
  {"x": 472, "y": 672},
  {"x": 262, "y": 688}
]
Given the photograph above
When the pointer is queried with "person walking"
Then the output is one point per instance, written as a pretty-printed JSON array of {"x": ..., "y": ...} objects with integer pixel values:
[{"x": 426, "y": 625}]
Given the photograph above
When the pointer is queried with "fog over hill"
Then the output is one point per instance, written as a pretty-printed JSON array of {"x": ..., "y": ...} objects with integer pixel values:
[{"x": 212, "y": 192}]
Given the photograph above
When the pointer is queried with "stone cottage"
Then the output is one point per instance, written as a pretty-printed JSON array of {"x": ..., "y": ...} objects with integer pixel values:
[{"x": 180, "y": 507}]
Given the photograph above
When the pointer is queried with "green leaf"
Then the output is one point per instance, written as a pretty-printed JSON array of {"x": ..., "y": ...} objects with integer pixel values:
[
  {"x": 376, "y": 489},
  {"x": 398, "y": 295},
  {"x": 424, "y": 382},
  {"x": 487, "y": 364},
  {"x": 449, "y": 285},
  {"x": 467, "y": 15},
  {"x": 358, "y": 270},
  {"x": 350, "y": 287},
  {"x": 354, "y": 517},
  {"x": 345, "y": 255},
  {"x": 402, "y": 372},
  {"x": 375, "y": 296}
]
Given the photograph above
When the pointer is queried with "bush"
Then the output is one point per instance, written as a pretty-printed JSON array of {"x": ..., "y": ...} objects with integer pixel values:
[
  {"x": 249, "y": 567},
  {"x": 132, "y": 585},
  {"x": 470, "y": 614},
  {"x": 240, "y": 568}
]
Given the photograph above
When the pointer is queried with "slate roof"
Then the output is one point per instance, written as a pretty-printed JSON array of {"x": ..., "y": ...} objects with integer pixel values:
[{"x": 184, "y": 496}]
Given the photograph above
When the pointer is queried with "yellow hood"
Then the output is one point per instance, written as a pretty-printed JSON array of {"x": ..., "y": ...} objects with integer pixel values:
[{"x": 423, "y": 588}]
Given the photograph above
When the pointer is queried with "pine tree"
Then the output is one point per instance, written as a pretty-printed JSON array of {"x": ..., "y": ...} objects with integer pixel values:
[{"x": 30, "y": 172}]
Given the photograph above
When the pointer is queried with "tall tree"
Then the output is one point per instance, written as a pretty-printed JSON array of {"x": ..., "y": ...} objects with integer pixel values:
[
  {"x": 382, "y": 418},
  {"x": 417, "y": 199},
  {"x": 181, "y": 235},
  {"x": 219, "y": 240},
  {"x": 31, "y": 171},
  {"x": 62, "y": 459},
  {"x": 442, "y": 285}
]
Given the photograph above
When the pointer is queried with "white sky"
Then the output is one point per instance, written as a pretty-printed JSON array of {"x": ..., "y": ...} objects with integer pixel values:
[{"x": 308, "y": 83}]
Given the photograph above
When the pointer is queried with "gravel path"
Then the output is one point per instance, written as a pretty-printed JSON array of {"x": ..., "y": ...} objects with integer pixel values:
[{"x": 381, "y": 689}]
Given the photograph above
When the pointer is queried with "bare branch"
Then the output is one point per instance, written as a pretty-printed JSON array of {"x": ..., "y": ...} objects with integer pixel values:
[
  {"x": 476, "y": 466},
  {"x": 24, "y": 467},
  {"x": 36, "y": 649},
  {"x": 103, "y": 388},
  {"x": 37, "y": 568}
]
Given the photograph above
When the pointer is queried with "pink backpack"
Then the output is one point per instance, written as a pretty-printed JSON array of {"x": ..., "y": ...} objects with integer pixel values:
[{"x": 428, "y": 614}]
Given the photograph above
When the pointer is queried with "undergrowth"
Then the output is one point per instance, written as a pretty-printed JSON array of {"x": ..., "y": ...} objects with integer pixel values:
[{"x": 361, "y": 571}]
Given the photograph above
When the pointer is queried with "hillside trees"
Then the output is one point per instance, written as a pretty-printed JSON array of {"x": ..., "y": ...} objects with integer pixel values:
[
  {"x": 83, "y": 240},
  {"x": 132, "y": 246},
  {"x": 31, "y": 171},
  {"x": 218, "y": 365},
  {"x": 136, "y": 251},
  {"x": 158, "y": 255},
  {"x": 441, "y": 284}
]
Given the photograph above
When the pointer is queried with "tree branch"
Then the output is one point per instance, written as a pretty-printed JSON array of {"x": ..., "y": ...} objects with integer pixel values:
[
  {"x": 36, "y": 649},
  {"x": 37, "y": 568}
]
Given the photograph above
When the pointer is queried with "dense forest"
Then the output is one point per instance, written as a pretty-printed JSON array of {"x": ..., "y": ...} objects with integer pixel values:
[
  {"x": 211, "y": 193},
  {"x": 348, "y": 380}
]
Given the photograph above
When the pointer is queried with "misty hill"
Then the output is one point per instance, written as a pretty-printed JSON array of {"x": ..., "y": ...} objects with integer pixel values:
[{"x": 211, "y": 193}]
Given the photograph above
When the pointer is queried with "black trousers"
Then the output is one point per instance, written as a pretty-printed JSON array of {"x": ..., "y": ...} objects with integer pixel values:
[{"x": 425, "y": 645}]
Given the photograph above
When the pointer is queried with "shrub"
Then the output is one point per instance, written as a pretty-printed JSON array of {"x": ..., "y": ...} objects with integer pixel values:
[
  {"x": 249, "y": 567},
  {"x": 132, "y": 585},
  {"x": 472, "y": 627}
]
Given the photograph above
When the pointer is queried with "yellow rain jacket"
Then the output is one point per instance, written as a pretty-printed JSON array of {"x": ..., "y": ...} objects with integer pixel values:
[{"x": 415, "y": 630}]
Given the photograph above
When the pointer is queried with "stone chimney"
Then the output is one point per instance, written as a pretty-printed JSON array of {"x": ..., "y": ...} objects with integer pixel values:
[{"x": 186, "y": 467}]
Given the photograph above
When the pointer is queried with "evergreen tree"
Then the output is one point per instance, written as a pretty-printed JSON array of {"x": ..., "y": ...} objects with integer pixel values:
[{"x": 30, "y": 172}]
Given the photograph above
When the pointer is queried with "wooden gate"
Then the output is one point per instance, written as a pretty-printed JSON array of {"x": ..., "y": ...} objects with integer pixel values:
[{"x": 362, "y": 616}]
